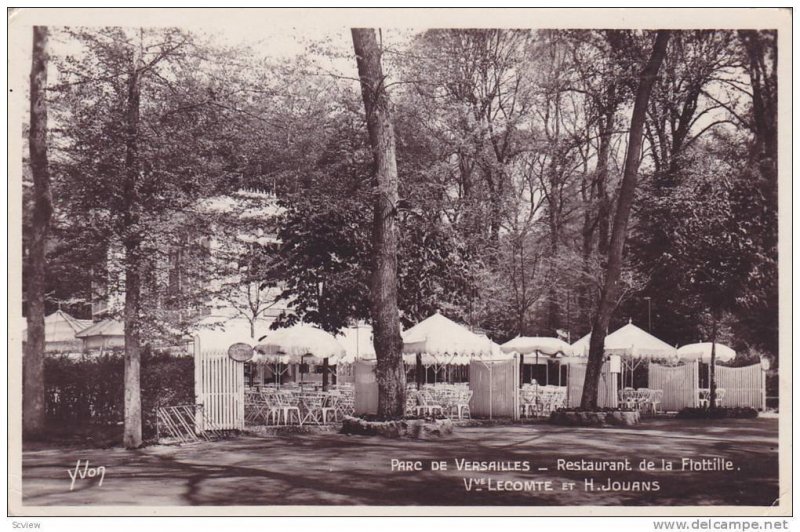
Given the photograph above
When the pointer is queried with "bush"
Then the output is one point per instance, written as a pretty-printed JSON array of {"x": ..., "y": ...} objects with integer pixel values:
[
  {"x": 718, "y": 413},
  {"x": 90, "y": 390}
]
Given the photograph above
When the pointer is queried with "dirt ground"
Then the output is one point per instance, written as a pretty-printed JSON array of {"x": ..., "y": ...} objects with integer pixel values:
[{"x": 334, "y": 469}]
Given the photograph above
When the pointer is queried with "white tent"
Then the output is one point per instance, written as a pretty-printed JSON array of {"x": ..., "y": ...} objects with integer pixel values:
[
  {"x": 442, "y": 341},
  {"x": 60, "y": 330},
  {"x": 702, "y": 351},
  {"x": 628, "y": 340}
]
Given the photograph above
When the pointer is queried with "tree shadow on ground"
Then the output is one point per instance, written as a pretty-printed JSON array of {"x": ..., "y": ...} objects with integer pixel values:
[{"x": 334, "y": 469}]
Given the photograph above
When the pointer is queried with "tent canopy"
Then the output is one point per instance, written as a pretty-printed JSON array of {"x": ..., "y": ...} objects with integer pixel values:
[
  {"x": 444, "y": 340},
  {"x": 60, "y": 331},
  {"x": 531, "y": 344},
  {"x": 294, "y": 344},
  {"x": 628, "y": 340},
  {"x": 107, "y": 327},
  {"x": 702, "y": 351}
]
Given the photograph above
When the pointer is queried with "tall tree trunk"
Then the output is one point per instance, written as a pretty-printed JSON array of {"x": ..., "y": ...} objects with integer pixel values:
[
  {"x": 33, "y": 408},
  {"x": 132, "y": 239},
  {"x": 619, "y": 231},
  {"x": 390, "y": 372}
]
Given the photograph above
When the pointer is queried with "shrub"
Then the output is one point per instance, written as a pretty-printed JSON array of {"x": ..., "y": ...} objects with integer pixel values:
[
  {"x": 90, "y": 389},
  {"x": 718, "y": 413}
]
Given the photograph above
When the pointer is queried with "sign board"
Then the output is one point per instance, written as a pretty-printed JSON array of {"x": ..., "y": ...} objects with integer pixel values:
[{"x": 240, "y": 352}]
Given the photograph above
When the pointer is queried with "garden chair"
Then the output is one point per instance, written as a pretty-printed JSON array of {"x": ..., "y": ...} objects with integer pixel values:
[
  {"x": 313, "y": 408},
  {"x": 288, "y": 407},
  {"x": 345, "y": 405},
  {"x": 329, "y": 408},
  {"x": 411, "y": 401},
  {"x": 527, "y": 404},
  {"x": 655, "y": 400},
  {"x": 462, "y": 404},
  {"x": 252, "y": 407},
  {"x": 720, "y": 396},
  {"x": 426, "y": 404}
]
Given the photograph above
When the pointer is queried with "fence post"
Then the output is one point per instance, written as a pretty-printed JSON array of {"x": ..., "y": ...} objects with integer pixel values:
[
  {"x": 199, "y": 418},
  {"x": 516, "y": 388}
]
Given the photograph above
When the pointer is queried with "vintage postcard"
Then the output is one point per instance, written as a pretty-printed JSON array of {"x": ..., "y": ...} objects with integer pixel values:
[{"x": 400, "y": 262}]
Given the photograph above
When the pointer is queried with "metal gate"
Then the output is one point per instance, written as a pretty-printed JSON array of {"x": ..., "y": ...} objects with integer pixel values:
[{"x": 219, "y": 389}]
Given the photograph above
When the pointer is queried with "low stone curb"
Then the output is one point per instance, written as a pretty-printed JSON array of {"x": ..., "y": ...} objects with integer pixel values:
[
  {"x": 418, "y": 429},
  {"x": 595, "y": 419}
]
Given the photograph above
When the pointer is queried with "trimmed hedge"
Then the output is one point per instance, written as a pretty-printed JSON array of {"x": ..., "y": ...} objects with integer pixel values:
[
  {"x": 718, "y": 413},
  {"x": 90, "y": 390}
]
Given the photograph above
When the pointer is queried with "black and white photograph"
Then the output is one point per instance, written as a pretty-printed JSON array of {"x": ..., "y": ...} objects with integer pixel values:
[{"x": 400, "y": 262}]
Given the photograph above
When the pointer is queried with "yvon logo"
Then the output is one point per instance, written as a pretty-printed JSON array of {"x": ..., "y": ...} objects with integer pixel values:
[{"x": 86, "y": 472}]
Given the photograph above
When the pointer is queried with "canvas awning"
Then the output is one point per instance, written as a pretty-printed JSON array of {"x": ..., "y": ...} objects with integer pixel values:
[
  {"x": 629, "y": 340},
  {"x": 544, "y": 345}
]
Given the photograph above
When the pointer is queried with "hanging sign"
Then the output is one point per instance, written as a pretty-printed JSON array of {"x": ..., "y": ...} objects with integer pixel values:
[{"x": 240, "y": 352}]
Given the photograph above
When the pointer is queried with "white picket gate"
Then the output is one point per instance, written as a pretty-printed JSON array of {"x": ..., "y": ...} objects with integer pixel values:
[{"x": 219, "y": 389}]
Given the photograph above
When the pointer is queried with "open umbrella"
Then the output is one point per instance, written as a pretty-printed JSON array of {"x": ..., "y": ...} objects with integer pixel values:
[
  {"x": 298, "y": 344},
  {"x": 299, "y": 341},
  {"x": 702, "y": 351}
]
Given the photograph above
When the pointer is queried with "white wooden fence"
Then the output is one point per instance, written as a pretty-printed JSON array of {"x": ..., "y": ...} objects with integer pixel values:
[
  {"x": 743, "y": 386},
  {"x": 219, "y": 389},
  {"x": 607, "y": 390},
  {"x": 679, "y": 383},
  {"x": 494, "y": 385}
]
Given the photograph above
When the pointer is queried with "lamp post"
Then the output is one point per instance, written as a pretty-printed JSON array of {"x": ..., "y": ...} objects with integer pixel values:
[{"x": 649, "y": 315}]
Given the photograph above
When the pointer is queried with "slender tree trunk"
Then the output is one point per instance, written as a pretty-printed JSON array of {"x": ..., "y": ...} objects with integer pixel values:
[
  {"x": 712, "y": 377},
  {"x": 390, "y": 372},
  {"x": 132, "y": 239},
  {"x": 604, "y": 212},
  {"x": 619, "y": 231},
  {"x": 33, "y": 408}
]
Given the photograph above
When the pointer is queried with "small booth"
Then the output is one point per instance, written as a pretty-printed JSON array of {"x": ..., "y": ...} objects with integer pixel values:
[{"x": 106, "y": 334}]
